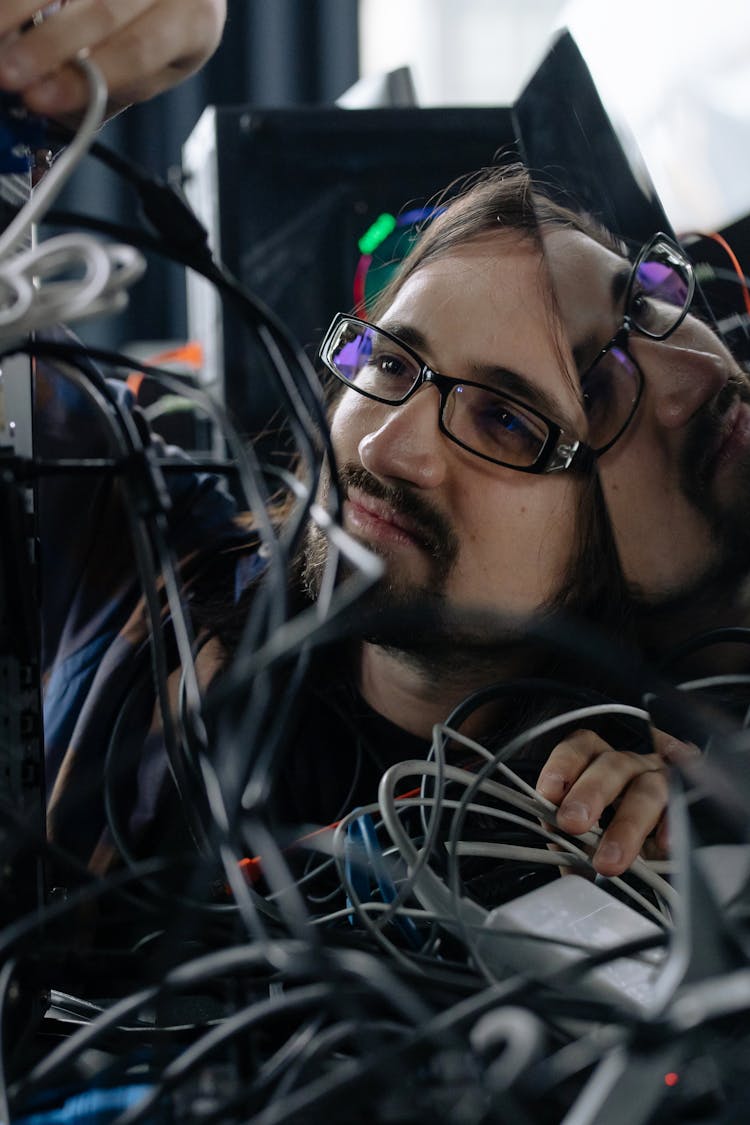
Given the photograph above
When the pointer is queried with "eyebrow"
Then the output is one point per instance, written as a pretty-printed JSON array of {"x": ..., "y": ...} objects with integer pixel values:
[
  {"x": 592, "y": 344},
  {"x": 494, "y": 375}
]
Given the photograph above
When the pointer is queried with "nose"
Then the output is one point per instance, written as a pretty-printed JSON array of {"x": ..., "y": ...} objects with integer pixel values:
[
  {"x": 681, "y": 375},
  {"x": 409, "y": 445}
]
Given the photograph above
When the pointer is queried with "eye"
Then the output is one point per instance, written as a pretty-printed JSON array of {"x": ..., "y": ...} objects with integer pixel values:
[
  {"x": 512, "y": 423},
  {"x": 494, "y": 426},
  {"x": 660, "y": 293},
  {"x": 644, "y": 306},
  {"x": 393, "y": 366},
  {"x": 509, "y": 434}
]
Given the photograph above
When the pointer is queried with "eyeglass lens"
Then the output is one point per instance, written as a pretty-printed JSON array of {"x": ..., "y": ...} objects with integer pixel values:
[
  {"x": 658, "y": 296},
  {"x": 660, "y": 290},
  {"x": 479, "y": 418}
]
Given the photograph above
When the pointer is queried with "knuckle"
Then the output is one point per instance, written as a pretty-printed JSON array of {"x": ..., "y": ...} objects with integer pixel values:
[
  {"x": 652, "y": 782},
  {"x": 641, "y": 810},
  {"x": 133, "y": 42},
  {"x": 587, "y": 740},
  {"x": 578, "y": 748},
  {"x": 642, "y": 764},
  {"x": 204, "y": 28},
  {"x": 631, "y": 831},
  {"x": 673, "y": 750},
  {"x": 108, "y": 16}
]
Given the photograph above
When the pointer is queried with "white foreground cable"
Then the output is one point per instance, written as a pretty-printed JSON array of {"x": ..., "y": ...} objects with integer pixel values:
[
  {"x": 65, "y": 279},
  {"x": 50, "y": 187}
]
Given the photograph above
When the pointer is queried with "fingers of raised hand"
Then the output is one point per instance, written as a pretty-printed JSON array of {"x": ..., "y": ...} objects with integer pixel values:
[
  {"x": 639, "y": 812},
  {"x": 584, "y": 775},
  {"x": 141, "y": 47}
]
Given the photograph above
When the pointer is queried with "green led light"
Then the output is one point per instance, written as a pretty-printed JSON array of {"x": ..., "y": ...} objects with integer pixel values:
[{"x": 377, "y": 233}]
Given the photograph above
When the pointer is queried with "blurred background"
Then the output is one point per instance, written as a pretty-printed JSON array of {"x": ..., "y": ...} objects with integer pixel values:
[{"x": 676, "y": 75}]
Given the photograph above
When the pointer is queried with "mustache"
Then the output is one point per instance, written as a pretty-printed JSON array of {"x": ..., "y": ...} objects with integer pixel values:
[
  {"x": 431, "y": 527},
  {"x": 705, "y": 434}
]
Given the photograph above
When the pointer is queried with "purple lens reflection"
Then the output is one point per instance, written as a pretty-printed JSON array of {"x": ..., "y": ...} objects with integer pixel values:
[
  {"x": 354, "y": 355},
  {"x": 611, "y": 388},
  {"x": 664, "y": 282}
]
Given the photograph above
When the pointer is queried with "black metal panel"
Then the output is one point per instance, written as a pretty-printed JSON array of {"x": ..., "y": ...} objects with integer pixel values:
[
  {"x": 297, "y": 189},
  {"x": 570, "y": 144},
  {"x": 568, "y": 139},
  {"x": 21, "y": 737}
]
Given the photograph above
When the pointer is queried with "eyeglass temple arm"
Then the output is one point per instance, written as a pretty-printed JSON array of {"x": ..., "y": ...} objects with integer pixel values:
[{"x": 571, "y": 455}]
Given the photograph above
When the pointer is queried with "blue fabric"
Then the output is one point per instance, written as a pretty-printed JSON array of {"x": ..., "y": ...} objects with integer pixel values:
[
  {"x": 93, "y": 1107},
  {"x": 95, "y": 639}
]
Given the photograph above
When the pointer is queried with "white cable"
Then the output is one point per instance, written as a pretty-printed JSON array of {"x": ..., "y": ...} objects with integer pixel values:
[
  {"x": 414, "y": 912},
  {"x": 33, "y": 294},
  {"x": 489, "y": 850},
  {"x": 639, "y": 866},
  {"x": 450, "y": 733},
  {"x": 50, "y": 187},
  {"x": 16, "y": 296},
  {"x": 388, "y": 811},
  {"x": 45, "y": 296},
  {"x": 552, "y": 724},
  {"x": 574, "y": 859},
  {"x": 728, "y": 679}
]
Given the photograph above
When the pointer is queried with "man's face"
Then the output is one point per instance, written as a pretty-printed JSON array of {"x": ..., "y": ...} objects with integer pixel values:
[
  {"x": 445, "y": 521},
  {"x": 677, "y": 481}
]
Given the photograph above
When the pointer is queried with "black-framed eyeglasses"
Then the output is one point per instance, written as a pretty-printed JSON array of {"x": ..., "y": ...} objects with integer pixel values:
[
  {"x": 483, "y": 420},
  {"x": 657, "y": 298}
]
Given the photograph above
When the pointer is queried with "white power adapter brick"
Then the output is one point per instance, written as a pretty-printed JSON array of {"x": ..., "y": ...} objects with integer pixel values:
[{"x": 576, "y": 911}]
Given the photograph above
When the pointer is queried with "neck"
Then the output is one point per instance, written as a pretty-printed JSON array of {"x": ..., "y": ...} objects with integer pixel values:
[
  {"x": 416, "y": 691},
  {"x": 667, "y": 627}
]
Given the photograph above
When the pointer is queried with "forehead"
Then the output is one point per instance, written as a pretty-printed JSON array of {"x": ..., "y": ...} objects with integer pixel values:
[
  {"x": 589, "y": 282},
  {"x": 488, "y": 304}
]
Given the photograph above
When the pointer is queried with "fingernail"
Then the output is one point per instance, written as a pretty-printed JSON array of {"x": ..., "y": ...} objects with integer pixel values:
[
  {"x": 575, "y": 812},
  {"x": 551, "y": 785},
  {"x": 676, "y": 751},
  {"x": 609, "y": 854}
]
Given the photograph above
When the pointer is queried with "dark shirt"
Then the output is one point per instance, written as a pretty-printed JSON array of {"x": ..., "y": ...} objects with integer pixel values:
[{"x": 105, "y": 754}]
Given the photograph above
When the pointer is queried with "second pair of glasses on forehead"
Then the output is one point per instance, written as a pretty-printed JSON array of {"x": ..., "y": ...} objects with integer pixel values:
[{"x": 500, "y": 427}]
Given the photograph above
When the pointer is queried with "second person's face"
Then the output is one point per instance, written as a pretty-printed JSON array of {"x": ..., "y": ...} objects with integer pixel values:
[{"x": 677, "y": 482}]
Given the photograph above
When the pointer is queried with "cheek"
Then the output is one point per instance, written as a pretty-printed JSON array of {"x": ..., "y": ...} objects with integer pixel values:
[
  {"x": 351, "y": 420},
  {"x": 343, "y": 427},
  {"x": 528, "y": 530},
  {"x": 662, "y": 540},
  {"x": 642, "y": 469}
]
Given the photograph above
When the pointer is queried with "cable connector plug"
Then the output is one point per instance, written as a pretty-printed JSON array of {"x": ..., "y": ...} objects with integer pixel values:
[
  {"x": 168, "y": 212},
  {"x": 22, "y": 134}
]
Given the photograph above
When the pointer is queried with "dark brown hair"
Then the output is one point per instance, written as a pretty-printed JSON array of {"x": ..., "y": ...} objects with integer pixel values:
[
  {"x": 502, "y": 201},
  {"x": 491, "y": 201}
]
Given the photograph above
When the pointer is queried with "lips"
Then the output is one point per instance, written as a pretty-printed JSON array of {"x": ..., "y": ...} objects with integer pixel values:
[
  {"x": 376, "y": 517},
  {"x": 736, "y": 434},
  {"x": 722, "y": 428},
  {"x": 730, "y": 429},
  {"x": 721, "y": 433}
]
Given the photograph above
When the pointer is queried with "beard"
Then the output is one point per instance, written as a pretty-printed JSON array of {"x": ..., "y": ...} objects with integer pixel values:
[
  {"x": 396, "y": 610},
  {"x": 414, "y": 619},
  {"x": 728, "y": 517},
  {"x": 719, "y": 594}
]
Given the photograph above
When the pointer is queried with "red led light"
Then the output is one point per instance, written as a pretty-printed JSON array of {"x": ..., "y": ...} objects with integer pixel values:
[{"x": 671, "y": 1079}]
